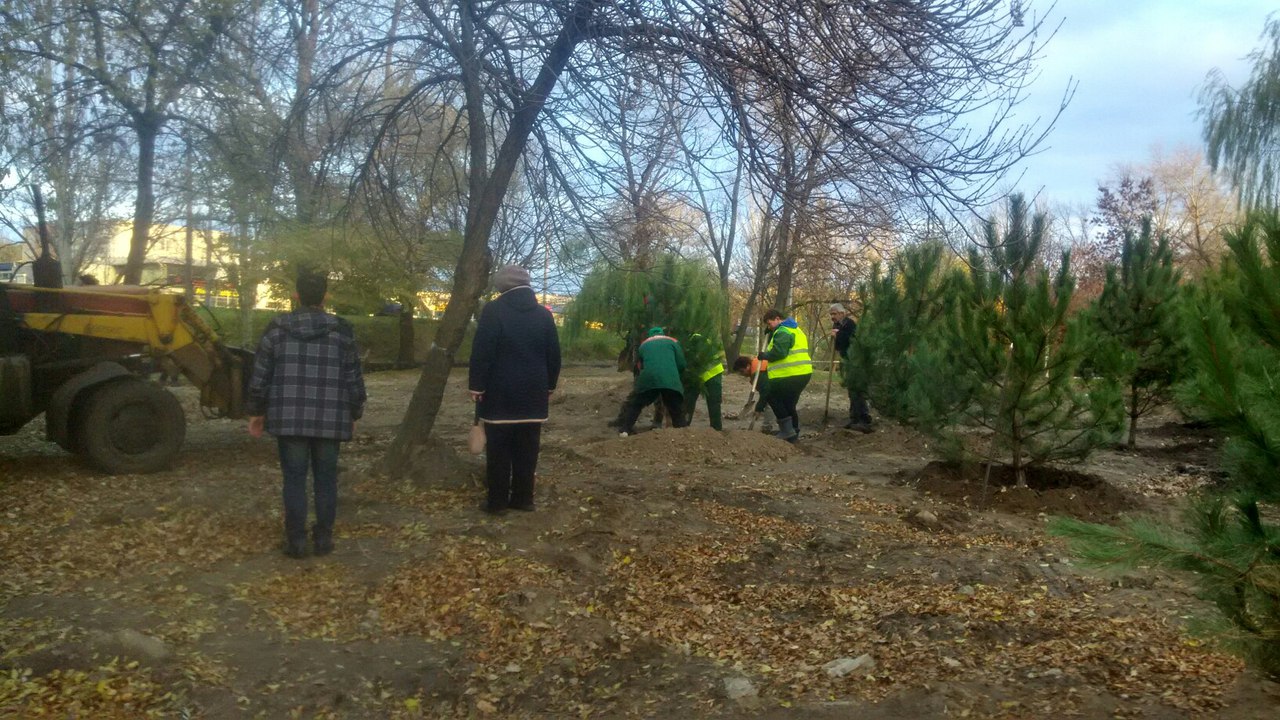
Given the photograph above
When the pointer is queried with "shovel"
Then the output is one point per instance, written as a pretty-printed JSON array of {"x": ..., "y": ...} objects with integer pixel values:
[
  {"x": 755, "y": 414},
  {"x": 755, "y": 378},
  {"x": 751, "y": 396}
]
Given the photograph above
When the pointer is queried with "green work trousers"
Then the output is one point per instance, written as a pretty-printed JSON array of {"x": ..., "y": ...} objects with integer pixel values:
[{"x": 713, "y": 391}]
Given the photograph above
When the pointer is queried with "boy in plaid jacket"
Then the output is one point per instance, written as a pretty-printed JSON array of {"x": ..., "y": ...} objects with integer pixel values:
[{"x": 308, "y": 391}]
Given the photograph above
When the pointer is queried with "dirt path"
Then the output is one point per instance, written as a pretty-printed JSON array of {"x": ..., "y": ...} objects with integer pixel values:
[{"x": 670, "y": 574}]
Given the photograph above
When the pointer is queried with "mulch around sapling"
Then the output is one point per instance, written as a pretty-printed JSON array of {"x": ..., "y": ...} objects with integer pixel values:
[{"x": 1050, "y": 490}]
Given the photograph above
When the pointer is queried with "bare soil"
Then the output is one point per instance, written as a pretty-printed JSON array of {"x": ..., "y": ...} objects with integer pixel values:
[{"x": 671, "y": 574}]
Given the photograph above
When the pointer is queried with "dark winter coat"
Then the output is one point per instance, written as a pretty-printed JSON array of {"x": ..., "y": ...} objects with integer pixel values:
[
  {"x": 661, "y": 363},
  {"x": 306, "y": 376},
  {"x": 515, "y": 358},
  {"x": 844, "y": 335}
]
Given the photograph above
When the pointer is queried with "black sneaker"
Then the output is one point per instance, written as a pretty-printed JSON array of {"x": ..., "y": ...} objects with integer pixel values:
[
  {"x": 295, "y": 550},
  {"x": 523, "y": 507},
  {"x": 485, "y": 507},
  {"x": 323, "y": 547}
]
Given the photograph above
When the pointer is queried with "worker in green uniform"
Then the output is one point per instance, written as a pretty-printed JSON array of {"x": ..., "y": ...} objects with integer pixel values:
[
  {"x": 790, "y": 369},
  {"x": 661, "y": 362}
]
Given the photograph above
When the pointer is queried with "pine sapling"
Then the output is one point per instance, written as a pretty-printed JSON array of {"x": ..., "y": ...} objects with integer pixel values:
[{"x": 1137, "y": 317}]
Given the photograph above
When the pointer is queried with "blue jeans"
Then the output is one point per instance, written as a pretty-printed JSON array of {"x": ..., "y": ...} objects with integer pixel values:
[{"x": 321, "y": 455}]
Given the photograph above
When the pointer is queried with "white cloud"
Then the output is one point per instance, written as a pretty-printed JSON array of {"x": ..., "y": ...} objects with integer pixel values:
[{"x": 1139, "y": 65}]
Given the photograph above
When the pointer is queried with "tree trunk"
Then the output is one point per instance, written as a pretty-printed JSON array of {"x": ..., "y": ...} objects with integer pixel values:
[
  {"x": 188, "y": 275},
  {"x": 1015, "y": 453},
  {"x": 786, "y": 263},
  {"x": 404, "y": 358},
  {"x": 248, "y": 298},
  {"x": 300, "y": 157},
  {"x": 145, "y": 206},
  {"x": 247, "y": 290},
  {"x": 485, "y": 200},
  {"x": 1133, "y": 417},
  {"x": 469, "y": 279}
]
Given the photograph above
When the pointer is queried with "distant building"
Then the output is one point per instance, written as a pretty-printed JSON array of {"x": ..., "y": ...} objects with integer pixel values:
[
  {"x": 166, "y": 265},
  {"x": 15, "y": 272},
  {"x": 436, "y": 302}
]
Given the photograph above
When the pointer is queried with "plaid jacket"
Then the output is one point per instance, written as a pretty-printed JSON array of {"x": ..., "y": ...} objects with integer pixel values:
[{"x": 306, "y": 376}]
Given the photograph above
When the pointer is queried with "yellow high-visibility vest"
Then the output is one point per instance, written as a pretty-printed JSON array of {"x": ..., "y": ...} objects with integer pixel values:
[
  {"x": 797, "y": 361},
  {"x": 714, "y": 370}
]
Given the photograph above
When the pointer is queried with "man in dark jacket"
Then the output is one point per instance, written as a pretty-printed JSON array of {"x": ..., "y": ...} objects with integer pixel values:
[
  {"x": 308, "y": 391},
  {"x": 661, "y": 362},
  {"x": 842, "y": 329},
  {"x": 515, "y": 365}
]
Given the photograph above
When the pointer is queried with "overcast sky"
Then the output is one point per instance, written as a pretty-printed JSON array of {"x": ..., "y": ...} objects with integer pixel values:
[{"x": 1140, "y": 65}]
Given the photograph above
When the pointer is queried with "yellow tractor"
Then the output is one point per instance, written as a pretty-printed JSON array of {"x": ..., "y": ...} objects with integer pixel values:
[{"x": 81, "y": 356}]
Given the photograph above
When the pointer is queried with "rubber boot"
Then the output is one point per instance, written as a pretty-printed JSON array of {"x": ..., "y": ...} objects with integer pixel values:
[{"x": 787, "y": 430}]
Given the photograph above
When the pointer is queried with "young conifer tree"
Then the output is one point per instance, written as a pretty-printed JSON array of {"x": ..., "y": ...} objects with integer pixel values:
[
  {"x": 902, "y": 310},
  {"x": 1230, "y": 542},
  {"x": 681, "y": 296},
  {"x": 1137, "y": 314},
  {"x": 1012, "y": 345}
]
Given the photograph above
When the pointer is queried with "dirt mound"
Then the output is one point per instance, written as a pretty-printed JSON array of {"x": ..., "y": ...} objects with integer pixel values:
[
  {"x": 441, "y": 466},
  {"x": 1053, "y": 491},
  {"x": 697, "y": 446}
]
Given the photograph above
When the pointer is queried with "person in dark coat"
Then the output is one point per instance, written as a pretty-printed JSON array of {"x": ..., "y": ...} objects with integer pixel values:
[
  {"x": 515, "y": 365},
  {"x": 308, "y": 391},
  {"x": 842, "y": 330},
  {"x": 661, "y": 362}
]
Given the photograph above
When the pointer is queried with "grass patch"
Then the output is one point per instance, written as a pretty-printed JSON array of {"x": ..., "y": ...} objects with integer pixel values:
[{"x": 380, "y": 336}]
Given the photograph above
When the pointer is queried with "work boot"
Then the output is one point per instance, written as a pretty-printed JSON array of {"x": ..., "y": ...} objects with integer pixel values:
[
  {"x": 787, "y": 430},
  {"x": 322, "y": 543}
]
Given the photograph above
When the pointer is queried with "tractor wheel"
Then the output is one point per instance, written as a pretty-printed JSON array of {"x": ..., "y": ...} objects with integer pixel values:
[{"x": 131, "y": 426}]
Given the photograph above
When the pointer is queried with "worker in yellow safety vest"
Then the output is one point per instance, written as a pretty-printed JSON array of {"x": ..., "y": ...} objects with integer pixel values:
[
  {"x": 709, "y": 379},
  {"x": 790, "y": 368}
]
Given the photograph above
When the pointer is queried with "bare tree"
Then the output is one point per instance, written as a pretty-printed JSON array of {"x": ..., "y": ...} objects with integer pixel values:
[
  {"x": 1195, "y": 209},
  {"x": 54, "y": 137},
  {"x": 144, "y": 55},
  {"x": 890, "y": 86}
]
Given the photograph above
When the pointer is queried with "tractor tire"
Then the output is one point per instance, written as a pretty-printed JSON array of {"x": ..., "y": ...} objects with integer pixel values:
[{"x": 130, "y": 426}]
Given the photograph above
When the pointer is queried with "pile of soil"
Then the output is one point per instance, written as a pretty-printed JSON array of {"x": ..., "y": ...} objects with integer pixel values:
[
  {"x": 698, "y": 446},
  {"x": 439, "y": 465},
  {"x": 1049, "y": 491}
]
